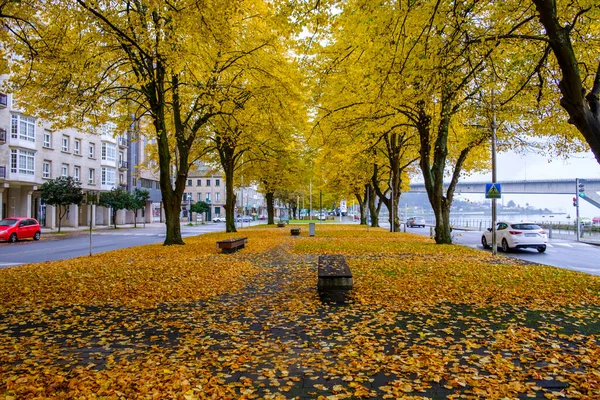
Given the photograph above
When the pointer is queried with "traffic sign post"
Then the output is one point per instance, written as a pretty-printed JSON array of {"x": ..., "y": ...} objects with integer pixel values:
[{"x": 493, "y": 191}]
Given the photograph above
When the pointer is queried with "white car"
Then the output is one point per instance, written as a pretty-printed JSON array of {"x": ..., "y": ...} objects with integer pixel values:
[
  {"x": 516, "y": 235},
  {"x": 219, "y": 219}
]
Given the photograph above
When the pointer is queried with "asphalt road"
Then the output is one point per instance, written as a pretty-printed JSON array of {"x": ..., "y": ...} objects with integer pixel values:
[
  {"x": 76, "y": 245},
  {"x": 560, "y": 253}
]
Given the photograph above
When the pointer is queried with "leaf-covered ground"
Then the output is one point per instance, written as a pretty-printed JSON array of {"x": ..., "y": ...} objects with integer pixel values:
[{"x": 185, "y": 322}]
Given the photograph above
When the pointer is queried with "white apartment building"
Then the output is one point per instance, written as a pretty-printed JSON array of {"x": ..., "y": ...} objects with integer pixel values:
[{"x": 31, "y": 153}]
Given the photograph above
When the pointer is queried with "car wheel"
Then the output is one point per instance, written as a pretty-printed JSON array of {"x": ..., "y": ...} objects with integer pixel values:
[
  {"x": 484, "y": 243},
  {"x": 541, "y": 249},
  {"x": 505, "y": 247},
  {"x": 12, "y": 238},
  {"x": 36, "y": 236}
]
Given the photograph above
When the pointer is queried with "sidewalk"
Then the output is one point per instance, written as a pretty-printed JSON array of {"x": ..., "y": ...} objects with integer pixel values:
[{"x": 86, "y": 228}]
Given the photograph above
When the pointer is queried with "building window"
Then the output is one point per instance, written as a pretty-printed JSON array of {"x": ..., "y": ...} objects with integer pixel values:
[
  {"x": 77, "y": 146},
  {"x": 208, "y": 197},
  {"x": 109, "y": 152},
  {"x": 27, "y": 162},
  {"x": 199, "y": 196},
  {"x": 48, "y": 139},
  {"x": 189, "y": 182},
  {"x": 23, "y": 128},
  {"x": 199, "y": 182},
  {"x": 64, "y": 170},
  {"x": 208, "y": 182},
  {"x": 22, "y": 161},
  {"x": 121, "y": 179},
  {"x": 157, "y": 183},
  {"x": 217, "y": 196},
  {"x": 92, "y": 150},
  {"x": 108, "y": 176},
  {"x": 218, "y": 210},
  {"x": 91, "y": 176},
  {"x": 77, "y": 173},
  {"x": 65, "y": 144},
  {"x": 47, "y": 169},
  {"x": 13, "y": 161},
  {"x": 217, "y": 182}
]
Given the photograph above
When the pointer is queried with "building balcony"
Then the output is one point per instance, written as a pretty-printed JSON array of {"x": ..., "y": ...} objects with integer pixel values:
[
  {"x": 2, "y": 136},
  {"x": 3, "y": 100},
  {"x": 2, "y": 171},
  {"x": 122, "y": 141},
  {"x": 122, "y": 165}
]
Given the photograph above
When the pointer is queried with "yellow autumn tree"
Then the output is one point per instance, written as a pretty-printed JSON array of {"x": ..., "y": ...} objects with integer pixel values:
[{"x": 172, "y": 63}]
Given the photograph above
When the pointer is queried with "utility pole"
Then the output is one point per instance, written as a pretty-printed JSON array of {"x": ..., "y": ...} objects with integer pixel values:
[
  {"x": 577, "y": 221},
  {"x": 310, "y": 201}
]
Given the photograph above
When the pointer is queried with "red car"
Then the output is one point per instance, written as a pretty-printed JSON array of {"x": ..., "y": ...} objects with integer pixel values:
[{"x": 15, "y": 228}]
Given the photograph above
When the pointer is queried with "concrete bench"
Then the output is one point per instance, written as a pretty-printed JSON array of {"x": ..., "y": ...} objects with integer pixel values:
[
  {"x": 334, "y": 277},
  {"x": 231, "y": 245},
  {"x": 295, "y": 231}
]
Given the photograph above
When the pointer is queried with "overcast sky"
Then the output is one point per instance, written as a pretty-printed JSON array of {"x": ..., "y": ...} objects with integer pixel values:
[{"x": 511, "y": 166}]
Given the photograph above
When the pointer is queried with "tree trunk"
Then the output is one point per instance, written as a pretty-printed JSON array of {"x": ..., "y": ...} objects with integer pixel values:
[
  {"x": 230, "y": 199},
  {"x": 270, "y": 208},
  {"x": 62, "y": 210},
  {"x": 173, "y": 224},
  {"x": 433, "y": 173},
  {"x": 135, "y": 218},
  {"x": 584, "y": 111},
  {"x": 442, "y": 222},
  {"x": 362, "y": 205},
  {"x": 373, "y": 211},
  {"x": 114, "y": 216}
]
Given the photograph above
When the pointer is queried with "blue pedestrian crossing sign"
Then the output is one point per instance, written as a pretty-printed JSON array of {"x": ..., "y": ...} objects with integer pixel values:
[{"x": 493, "y": 191}]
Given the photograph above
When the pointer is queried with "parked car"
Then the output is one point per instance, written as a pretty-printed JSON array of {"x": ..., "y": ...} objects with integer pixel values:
[
  {"x": 243, "y": 218},
  {"x": 516, "y": 235},
  {"x": 218, "y": 219},
  {"x": 15, "y": 228},
  {"x": 415, "y": 222},
  {"x": 596, "y": 220},
  {"x": 322, "y": 217}
]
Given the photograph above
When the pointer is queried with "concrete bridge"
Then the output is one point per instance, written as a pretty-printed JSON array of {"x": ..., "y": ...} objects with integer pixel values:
[{"x": 558, "y": 186}]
